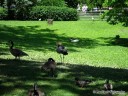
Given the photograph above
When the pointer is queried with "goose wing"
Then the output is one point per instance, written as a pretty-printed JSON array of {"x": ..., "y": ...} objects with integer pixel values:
[{"x": 18, "y": 52}]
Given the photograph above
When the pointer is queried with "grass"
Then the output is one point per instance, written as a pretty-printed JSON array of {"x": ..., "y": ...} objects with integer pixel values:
[{"x": 97, "y": 57}]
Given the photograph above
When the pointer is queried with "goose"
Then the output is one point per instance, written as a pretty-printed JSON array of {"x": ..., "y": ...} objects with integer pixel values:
[
  {"x": 50, "y": 66},
  {"x": 17, "y": 53},
  {"x": 108, "y": 86},
  {"x": 35, "y": 91},
  {"x": 81, "y": 83}
]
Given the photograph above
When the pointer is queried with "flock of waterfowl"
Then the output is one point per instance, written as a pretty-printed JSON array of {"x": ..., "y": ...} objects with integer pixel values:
[{"x": 50, "y": 66}]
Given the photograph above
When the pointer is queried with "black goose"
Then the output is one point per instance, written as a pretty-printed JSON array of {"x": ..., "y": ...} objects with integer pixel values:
[
  {"x": 61, "y": 50},
  {"x": 81, "y": 83},
  {"x": 35, "y": 91},
  {"x": 50, "y": 66},
  {"x": 16, "y": 52}
]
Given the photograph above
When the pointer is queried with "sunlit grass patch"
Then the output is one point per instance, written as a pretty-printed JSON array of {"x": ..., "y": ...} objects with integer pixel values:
[{"x": 97, "y": 56}]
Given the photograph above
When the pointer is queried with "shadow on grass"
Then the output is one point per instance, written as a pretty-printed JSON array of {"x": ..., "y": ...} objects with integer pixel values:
[
  {"x": 33, "y": 38},
  {"x": 111, "y": 41},
  {"x": 97, "y": 75},
  {"x": 121, "y": 42},
  {"x": 17, "y": 74},
  {"x": 3, "y": 51},
  {"x": 19, "y": 68}
]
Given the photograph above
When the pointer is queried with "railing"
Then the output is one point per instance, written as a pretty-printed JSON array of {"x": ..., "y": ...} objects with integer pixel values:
[{"x": 91, "y": 15}]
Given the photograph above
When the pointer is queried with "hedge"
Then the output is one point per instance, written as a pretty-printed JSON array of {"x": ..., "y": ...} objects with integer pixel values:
[{"x": 53, "y": 12}]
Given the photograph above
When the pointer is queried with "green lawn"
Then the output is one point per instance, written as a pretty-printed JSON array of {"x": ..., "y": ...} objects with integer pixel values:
[{"x": 97, "y": 56}]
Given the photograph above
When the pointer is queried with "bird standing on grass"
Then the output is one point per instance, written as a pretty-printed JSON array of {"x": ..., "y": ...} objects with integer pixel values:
[
  {"x": 81, "y": 83},
  {"x": 35, "y": 91},
  {"x": 50, "y": 66},
  {"x": 62, "y": 51},
  {"x": 50, "y": 21},
  {"x": 16, "y": 52},
  {"x": 92, "y": 18},
  {"x": 108, "y": 86}
]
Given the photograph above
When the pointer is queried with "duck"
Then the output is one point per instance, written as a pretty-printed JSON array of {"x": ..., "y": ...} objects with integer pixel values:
[
  {"x": 108, "y": 86},
  {"x": 35, "y": 91},
  {"x": 17, "y": 53},
  {"x": 81, "y": 83}
]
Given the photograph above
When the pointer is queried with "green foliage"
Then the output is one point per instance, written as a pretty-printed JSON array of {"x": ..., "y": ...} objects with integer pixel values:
[
  {"x": 59, "y": 3},
  {"x": 91, "y": 3},
  {"x": 118, "y": 13},
  {"x": 96, "y": 57},
  {"x": 72, "y": 3},
  {"x": 23, "y": 9},
  {"x": 3, "y": 13},
  {"x": 53, "y": 12}
]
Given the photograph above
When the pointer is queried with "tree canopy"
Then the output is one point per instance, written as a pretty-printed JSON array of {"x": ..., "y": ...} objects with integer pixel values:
[
  {"x": 19, "y": 9},
  {"x": 119, "y": 12}
]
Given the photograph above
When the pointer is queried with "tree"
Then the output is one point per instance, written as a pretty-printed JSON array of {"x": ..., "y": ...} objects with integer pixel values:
[
  {"x": 23, "y": 8},
  {"x": 72, "y": 3},
  {"x": 118, "y": 13},
  {"x": 59, "y": 3},
  {"x": 1, "y": 2}
]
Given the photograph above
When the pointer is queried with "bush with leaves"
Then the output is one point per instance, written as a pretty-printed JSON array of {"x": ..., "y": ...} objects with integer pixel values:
[
  {"x": 59, "y": 3},
  {"x": 53, "y": 12},
  {"x": 3, "y": 13}
]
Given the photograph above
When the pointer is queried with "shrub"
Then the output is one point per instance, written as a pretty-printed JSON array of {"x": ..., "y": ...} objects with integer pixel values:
[
  {"x": 3, "y": 13},
  {"x": 53, "y": 12}
]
